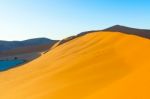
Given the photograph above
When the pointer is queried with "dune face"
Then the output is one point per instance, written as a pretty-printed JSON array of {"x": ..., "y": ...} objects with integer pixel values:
[
  {"x": 60, "y": 42},
  {"x": 99, "y": 65}
]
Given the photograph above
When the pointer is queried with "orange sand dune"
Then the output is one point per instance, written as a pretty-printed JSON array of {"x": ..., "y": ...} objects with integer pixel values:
[{"x": 106, "y": 65}]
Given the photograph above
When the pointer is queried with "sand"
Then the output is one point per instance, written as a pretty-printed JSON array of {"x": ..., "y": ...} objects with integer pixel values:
[{"x": 100, "y": 65}]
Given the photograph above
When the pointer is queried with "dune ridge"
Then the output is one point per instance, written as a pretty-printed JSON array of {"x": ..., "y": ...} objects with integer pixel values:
[
  {"x": 145, "y": 33},
  {"x": 98, "y": 65}
]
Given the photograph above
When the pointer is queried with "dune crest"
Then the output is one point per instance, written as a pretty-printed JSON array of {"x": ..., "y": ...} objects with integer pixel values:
[{"x": 99, "y": 65}]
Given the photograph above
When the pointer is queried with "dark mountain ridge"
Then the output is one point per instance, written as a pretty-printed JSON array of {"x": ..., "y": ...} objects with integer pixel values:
[{"x": 128, "y": 30}]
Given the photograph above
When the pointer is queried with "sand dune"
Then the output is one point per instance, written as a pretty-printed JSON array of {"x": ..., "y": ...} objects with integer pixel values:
[
  {"x": 145, "y": 33},
  {"x": 102, "y": 65}
]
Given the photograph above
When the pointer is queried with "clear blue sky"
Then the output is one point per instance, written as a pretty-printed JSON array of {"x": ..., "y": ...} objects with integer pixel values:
[{"x": 56, "y": 19}]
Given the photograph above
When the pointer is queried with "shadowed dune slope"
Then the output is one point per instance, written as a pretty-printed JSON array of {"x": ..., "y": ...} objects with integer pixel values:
[{"x": 95, "y": 66}]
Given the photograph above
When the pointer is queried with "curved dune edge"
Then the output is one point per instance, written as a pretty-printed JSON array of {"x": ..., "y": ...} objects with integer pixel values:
[{"x": 105, "y": 65}]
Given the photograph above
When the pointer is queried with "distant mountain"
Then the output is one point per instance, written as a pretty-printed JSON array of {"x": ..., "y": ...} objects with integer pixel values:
[
  {"x": 9, "y": 45},
  {"x": 15, "y": 53},
  {"x": 26, "y": 50},
  {"x": 27, "y": 53},
  {"x": 128, "y": 30}
]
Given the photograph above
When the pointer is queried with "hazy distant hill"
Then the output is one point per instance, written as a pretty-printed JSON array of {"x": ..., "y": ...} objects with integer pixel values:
[
  {"x": 8, "y": 45},
  {"x": 26, "y": 50}
]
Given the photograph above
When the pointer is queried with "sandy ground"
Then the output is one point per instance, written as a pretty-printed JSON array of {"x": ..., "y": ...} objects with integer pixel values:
[{"x": 106, "y": 65}]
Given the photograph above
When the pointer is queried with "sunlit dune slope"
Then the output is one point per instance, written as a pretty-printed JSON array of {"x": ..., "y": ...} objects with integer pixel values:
[{"x": 100, "y": 65}]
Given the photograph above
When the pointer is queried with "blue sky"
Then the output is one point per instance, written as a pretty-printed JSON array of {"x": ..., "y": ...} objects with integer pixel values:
[{"x": 57, "y": 19}]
